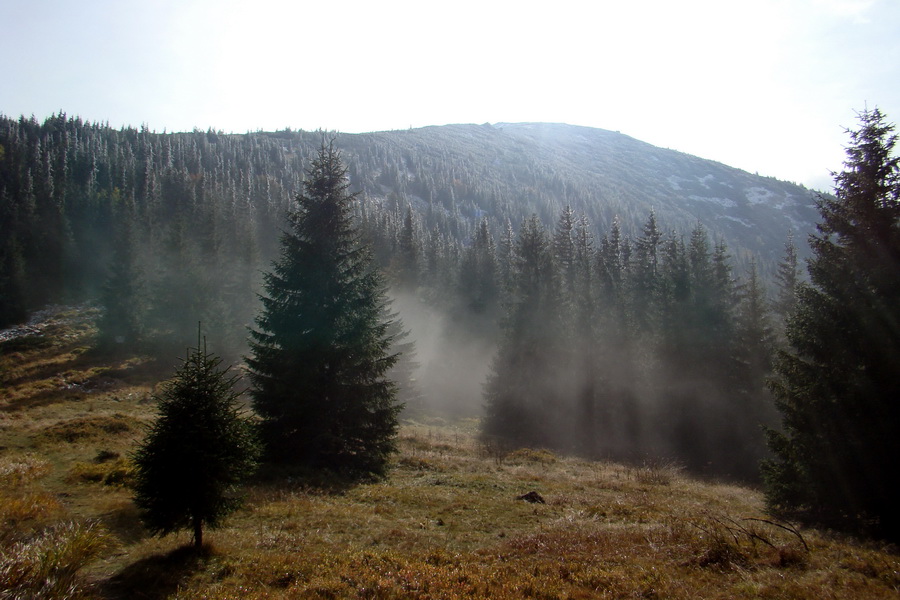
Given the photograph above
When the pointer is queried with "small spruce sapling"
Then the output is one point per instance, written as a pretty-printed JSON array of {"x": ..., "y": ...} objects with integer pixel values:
[{"x": 197, "y": 452}]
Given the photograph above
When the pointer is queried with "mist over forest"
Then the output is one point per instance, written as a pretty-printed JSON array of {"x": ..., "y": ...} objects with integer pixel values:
[{"x": 578, "y": 289}]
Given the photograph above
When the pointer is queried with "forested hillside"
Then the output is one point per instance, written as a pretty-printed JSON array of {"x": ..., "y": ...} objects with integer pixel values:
[
  {"x": 511, "y": 171},
  {"x": 628, "y": 281},
  {"x": 205, "y": 196}
]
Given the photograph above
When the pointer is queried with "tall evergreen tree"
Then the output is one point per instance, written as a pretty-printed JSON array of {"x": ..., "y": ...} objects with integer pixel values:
[
  {"x": 645, "y": 276},
  {"x": 564, "y": 251},
  {"x": 610, "y": 267},
  {"x": 408, "y": 256},
  {"x": 122, "y": 299},
  {"x": 478, "y": 274},
  {"x": 197, "y": 451},
  {"x": 584, "y": 338},
  {"x": 755, "y": 337},
  {"x": 750, "y": 406},
  {"x": 524, "y": 387},
  {"x": 320, "y": 353},
  {"x": 12, "y": 283},
  {"x": 787, "y": 277},
  {"x": 837, "y": 386},
  {"x": 506, "y": 259}
]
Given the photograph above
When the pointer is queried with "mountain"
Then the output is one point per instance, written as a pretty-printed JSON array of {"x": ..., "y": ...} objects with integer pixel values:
[
  {"x": 511, "y": 170},
  {"x": 208, "y": 197}
]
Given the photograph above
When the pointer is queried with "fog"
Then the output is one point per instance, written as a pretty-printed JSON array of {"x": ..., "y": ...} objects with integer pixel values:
[{"x": 453, "y": 361}]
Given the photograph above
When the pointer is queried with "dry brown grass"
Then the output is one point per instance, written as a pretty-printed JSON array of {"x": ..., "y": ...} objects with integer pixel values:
[
  {"x": 47, "y": 565},
  {"x": 445, "y": 523}
]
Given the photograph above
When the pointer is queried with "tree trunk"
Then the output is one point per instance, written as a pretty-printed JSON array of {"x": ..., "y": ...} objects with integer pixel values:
[{"x": 198, "y": 532}]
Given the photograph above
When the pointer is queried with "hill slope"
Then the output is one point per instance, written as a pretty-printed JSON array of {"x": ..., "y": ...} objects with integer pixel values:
[{"x": 513, "y": 170}]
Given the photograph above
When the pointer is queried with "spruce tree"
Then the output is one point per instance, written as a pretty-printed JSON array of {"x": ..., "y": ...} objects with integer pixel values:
[
  {"x": 121, "y": 325},
  {"x": 563, "y": 246},
  {"x": 407, "y": 260},
  {"x": 523, "y": 391},
  {"x": 755, "y": 337},
  {"x": 837, "y": 386},
  {"x": 787, "y": 276},
  {"x": 750, "y": 406},
  {"x": 644, "y": 276},
  {"x": 197, "y": 451},
  {"x": 478, "y": 274},
  {"x": 584, "y": 338},
  {"x": 12, "y": 284},
  {"x": 321, "y": 350}
]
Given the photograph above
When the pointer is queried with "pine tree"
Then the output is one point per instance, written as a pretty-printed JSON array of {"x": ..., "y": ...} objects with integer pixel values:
[
  {"x": 750, "y": 405},
  {"x": 121, "y": 324},
  {"x": 320, "y": 353},
  {"x": 12, "y": 283},
  {"x": 755, "y": 337},
  {"x": 644, "y": 279},
  {"x": 787, "y": 278},
  {"x": 408, "y": 256},
  {"x": 505, "y": 260},
  {"x": 584, "y": 338},
  {"x": 564, "y": 251},
  {"x": 478, "y": 274},
  {"x": 197, "y": 451},
  {"x": 523, "y": 390},
  {"x": 695, "y": 354},
  {"x": 837, "y": 386}
]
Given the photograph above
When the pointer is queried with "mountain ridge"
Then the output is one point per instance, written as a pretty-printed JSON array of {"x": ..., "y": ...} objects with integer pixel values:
[{"x": 606, "y": 175}]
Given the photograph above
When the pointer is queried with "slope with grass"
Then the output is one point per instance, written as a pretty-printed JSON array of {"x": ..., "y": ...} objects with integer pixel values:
[{"x": 446, "y": 523}]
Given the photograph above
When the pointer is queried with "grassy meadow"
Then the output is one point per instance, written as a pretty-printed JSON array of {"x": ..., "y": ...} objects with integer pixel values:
[{"x": 446, "y": 523}]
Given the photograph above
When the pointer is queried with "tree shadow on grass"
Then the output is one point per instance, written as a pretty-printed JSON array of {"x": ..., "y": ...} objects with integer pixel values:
[
  {"x": 155, "y": 577},
  {"x": 125, "y": 523},
  {"x": 292, "y": 478}
]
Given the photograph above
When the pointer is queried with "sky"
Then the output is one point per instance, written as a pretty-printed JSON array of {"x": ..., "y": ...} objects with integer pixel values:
[{"x": 768, "y": 86}]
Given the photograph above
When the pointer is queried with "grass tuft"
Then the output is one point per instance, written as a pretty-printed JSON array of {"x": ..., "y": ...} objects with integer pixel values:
[
  {"x": 28, "y": 506},
  {"x": 117, "y": 472},
  {"x": 656, "y": 472},
  {"x": 47, "y": 566},
  {"x": 16, "y": 471},
  {"x": 85, "y": 428}
]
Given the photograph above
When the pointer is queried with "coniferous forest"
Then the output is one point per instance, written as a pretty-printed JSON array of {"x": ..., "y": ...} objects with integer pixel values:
[
  {"x": 644, "y": 344},
  {"x": 578, "y": 325}
]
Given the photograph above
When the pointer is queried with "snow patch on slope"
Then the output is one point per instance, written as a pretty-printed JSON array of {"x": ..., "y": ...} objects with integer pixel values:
[
  {"x": 736, "y": 220},
  {"x": 704, "y": 181},
  {"x": 675, "y": 181},
  {"x": 723, "y": 202},
  {"x": 759, "y": 195}
]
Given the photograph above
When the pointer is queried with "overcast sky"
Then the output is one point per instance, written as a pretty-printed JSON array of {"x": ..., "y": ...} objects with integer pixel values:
[{"x": 763, "y": 85}]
